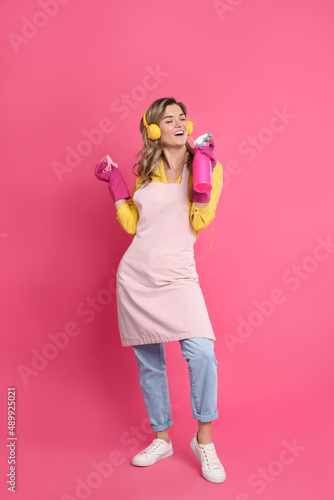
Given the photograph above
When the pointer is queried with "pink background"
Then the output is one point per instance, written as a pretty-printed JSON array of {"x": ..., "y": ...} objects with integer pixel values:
[{"x": 236, "y": 66}]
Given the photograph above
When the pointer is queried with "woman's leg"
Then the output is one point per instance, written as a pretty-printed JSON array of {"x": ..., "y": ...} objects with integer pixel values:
[
  {"x": 202, "y": 365},
  {"x": 151, "y": 364}
]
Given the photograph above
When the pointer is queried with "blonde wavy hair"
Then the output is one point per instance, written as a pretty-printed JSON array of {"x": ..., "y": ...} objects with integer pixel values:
[{"x": 152, "y": 151}]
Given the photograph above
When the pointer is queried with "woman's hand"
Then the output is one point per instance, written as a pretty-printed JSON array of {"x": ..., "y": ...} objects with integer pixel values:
[
  {"x": 204, "y": 198},
  {"x": 200, "y": 198},
  {"x": 116, "y": 184},
  {"x": 100, "y": 174},
  {"x": 208, "y": 150}
]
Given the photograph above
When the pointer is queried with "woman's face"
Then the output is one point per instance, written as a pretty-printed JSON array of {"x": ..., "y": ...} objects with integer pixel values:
[{"x": 173, "y": 121}]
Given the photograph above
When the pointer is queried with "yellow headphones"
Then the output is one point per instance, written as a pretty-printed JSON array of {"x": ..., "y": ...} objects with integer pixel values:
[{"x": 154, "y": 132}]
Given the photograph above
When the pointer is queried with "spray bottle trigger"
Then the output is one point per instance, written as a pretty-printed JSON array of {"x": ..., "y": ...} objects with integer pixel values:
[{"x": 202, "y": 139}]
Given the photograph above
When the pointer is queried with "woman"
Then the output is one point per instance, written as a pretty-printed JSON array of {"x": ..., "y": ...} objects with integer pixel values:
[{"x": 159, "y": 298}]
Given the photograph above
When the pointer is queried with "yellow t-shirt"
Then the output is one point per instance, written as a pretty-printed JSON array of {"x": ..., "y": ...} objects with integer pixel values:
[{"x": 199, "y": 218}]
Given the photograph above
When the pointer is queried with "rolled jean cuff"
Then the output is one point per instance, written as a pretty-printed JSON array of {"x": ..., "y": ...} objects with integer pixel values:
[
  {"x": 206, "y": 418},
  {"x": 161, "y": 427}
]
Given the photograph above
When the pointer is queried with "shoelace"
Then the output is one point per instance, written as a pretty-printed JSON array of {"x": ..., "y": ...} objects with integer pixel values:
[
  {"x": 211, "y": 457},
  {"x": 151, "y": 448}
]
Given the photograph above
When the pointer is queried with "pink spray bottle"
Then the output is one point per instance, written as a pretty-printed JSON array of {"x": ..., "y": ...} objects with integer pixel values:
[{"x": 202, "y": 171}]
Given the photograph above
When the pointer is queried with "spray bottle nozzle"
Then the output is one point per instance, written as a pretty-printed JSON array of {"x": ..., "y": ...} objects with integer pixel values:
[{"x": 202, "y": 139}]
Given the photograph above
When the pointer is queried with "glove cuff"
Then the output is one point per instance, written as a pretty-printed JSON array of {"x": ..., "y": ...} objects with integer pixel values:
[
  {"x": 200, "y": 197},
  {"x": 121, "y": 192}
]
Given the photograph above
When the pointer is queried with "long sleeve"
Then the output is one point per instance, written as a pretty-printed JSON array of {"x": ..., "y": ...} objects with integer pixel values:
[
  {"x": 200, "y": 218},
  {"x": 128, "y": 214}
]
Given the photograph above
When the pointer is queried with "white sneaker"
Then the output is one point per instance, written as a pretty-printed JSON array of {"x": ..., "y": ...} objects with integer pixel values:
[
  {"x": 158, "y": 449},
  {"x": 212, "y": 469}
]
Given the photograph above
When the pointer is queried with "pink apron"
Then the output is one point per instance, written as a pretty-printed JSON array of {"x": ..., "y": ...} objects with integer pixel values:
[{"x": 159, "y": 298}]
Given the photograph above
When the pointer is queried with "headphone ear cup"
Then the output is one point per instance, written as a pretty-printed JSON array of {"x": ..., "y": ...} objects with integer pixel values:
[
  {"x": 153, "y": 132},
  {"x": 190, "y": 127}
]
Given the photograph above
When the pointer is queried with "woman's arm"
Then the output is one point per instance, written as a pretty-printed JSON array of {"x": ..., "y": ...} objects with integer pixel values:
[
  {"x": 201, "y": 205},
  {"x": 127, "y": 212},
  {"x": 119, "y": 203}
]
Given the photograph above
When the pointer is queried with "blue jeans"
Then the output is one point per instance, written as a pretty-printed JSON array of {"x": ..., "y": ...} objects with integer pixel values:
[{"x": 202, "y": 366}]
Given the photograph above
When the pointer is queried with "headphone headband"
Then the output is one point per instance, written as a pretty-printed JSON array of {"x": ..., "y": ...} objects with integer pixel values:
[{"x": 144, "y": 119}]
